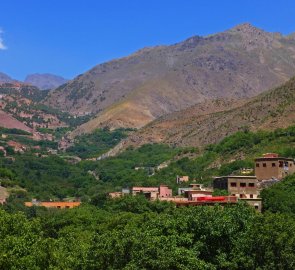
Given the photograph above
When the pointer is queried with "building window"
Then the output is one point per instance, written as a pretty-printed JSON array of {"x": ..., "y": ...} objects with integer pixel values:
[
  {"x": 281, "y": 164},
  {"x": 257, "y": 165},
  {"x": 67, "y": 206},
  {"x": 251, "y": 196},
  {"x": 251, "y": 185},
  {"x": 290, "y": 164},
  {"x": 264, "y": 164},
  {"x": 242, "y": 184},
  {"x": 233, "y": 184},
  {"x": 241, "y": 195},
  {"x": 273, "y": 164},
  {"x": 58, "y": 206}
]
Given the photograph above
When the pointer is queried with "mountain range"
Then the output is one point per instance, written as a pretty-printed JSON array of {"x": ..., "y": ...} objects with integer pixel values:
[
  {"x": 135, "y": 90},
  {"x": 44, "y": 81}
]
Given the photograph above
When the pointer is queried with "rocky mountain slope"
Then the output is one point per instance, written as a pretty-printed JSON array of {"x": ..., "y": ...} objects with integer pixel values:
[
  {"x": 8, "y": 121},
  {"x": 45, "y": 81},
  {"x": 4, "y": 78},
  {"x": 20, "y": 109},
  {"x": 132, "y": 91},
  {"x": 268, "y": 111}
]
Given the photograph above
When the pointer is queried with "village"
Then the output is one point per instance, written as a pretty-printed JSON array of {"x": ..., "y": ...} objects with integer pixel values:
[{"x": 269, "y": 169}]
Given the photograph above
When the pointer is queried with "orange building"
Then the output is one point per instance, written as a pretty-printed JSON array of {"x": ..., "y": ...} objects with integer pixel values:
[{"x": 53, "y": 204}]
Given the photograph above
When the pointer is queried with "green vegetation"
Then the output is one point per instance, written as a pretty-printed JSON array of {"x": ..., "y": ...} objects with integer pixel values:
[
  {"x": 280, "y": 197},
  {"x": 92, "y": 179},
  {"x": 96, "y": 143},
  {"x": 132, "y": 233},
  {"x": 13, "y": 131},
  {"x": 49, "y": 177}
]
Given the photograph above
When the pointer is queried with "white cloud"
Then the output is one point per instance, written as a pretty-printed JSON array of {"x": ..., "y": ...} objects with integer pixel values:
[{"x": 2, "y": 46}]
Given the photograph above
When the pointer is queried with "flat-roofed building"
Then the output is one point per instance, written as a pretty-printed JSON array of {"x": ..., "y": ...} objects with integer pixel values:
[
  {"x": 193, "y": 186},
  {"x": 243, "y": 187},
  {"x": 272, "y": 166},
  {"x": 182, "y": 179},
  {"x": 53, "y": 204}
]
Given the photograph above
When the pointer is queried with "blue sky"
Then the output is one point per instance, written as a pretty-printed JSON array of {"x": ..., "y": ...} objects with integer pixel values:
[{"x": 68, "y": 37}]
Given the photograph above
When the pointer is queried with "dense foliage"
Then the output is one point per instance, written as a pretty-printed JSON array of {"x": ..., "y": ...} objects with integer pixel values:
[
  {"x": 96, "y": 143},
  {"x": 281, "y": 196},
  {"x": 134, "y": 234}
]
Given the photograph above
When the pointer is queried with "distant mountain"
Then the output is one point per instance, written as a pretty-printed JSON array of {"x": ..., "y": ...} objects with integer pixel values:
[
  {"x": 133, "y": 91},
  {"x": 45, "y": 81},
  {"x": 4, "y": 78},
  {"x": 198, "y": 127}
]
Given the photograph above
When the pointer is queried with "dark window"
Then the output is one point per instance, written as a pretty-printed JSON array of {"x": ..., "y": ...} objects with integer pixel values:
[
  {"x": 290, "y": 164},
  {"x": 251, "y": 196},
  {"x": 241, "y": 195},
  {"x": 281, "y": 164},
  {"x": 264, "y": 164},
  {"x": 242, "y": 184},
  {"x": 257, "y": 164},
  {"x": 273, "y": 164},
  {"x": 256, "y": 207},
  {"x": 233, "y": 184},
  {"x": 58, "y": 206},
  {"x": 67, "y": 206},
  {"x": 251, "y": 185}
]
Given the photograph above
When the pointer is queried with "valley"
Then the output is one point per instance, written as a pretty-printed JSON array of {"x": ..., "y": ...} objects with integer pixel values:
[{"x": 177, "y": 156}]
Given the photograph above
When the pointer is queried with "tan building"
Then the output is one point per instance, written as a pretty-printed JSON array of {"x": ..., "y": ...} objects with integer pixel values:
[
  {"x": 182, "y": 179},
  {"x": 271, "y": 166},
  {"x": 243, "y": 187}
]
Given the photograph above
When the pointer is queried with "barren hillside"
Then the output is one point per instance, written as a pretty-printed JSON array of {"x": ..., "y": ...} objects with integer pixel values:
[{"x": 133, "y": 91}]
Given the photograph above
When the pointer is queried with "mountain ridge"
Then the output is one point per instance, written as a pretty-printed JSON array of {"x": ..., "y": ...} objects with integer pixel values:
[
  {"x": 45, "y": 81},
  {"x": 135, "y": 90},
  {"x": 268, "y": 111}
]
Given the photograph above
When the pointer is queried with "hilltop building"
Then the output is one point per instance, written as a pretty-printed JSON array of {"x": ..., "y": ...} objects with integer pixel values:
[
  {"x": 182, "y": 179},
  {"x": 271, "y": 166}
]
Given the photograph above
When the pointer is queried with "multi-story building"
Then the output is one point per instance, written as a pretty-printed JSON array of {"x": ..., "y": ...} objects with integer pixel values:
[
  {"x": 243, "y": 187},
  {"x": 271, "y": 166}
]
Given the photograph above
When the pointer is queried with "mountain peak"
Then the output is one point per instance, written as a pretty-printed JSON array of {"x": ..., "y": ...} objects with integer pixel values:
[
  {"x": 4, "y": 78},
  {"x": 245, "y": 27},
  {"x": 45, "y": 81}
]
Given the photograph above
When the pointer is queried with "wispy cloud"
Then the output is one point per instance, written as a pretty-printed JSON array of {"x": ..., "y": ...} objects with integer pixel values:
[{"x": 2, "y": 46}]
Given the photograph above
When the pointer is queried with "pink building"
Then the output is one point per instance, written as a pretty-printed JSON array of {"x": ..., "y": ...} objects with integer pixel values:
[{"x": 165, "y": 191}]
